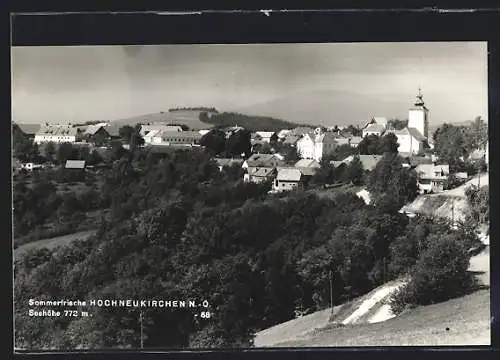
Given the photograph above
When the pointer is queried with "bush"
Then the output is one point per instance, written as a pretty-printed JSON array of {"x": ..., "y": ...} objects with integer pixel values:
[{"x": 440, "y": 274}]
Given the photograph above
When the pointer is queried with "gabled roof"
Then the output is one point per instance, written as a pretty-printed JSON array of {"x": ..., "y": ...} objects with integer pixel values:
[
  {"x": 92, "y": 129},
  {"x": 57, "y": 130},
  {"x": 418, "y": 160},
  {"x": 355, "y": 139},
  {"x": 75, "y": 164},
  {"x": 416, "y": 134},
  {"x": 265, "y": 134},
  {"x": 374, "y": 128},
  {"x": 291, "y": 139},
  {"x": 181, "y": 135},
  {"x": 429, "y": 170},
  {"x": 307, "y": 163},
  {"x": 263, "y": 160},
  {"x": 261, "y": 171},
  {"x": 289, "y": 175},
  {"x": 301, "y": 130},
  {"x": 369, "y": 161},
  {"x": 408, "y": 131},
  {"x": 380, "y": 120},
  {"x": 228, "y": 162}
]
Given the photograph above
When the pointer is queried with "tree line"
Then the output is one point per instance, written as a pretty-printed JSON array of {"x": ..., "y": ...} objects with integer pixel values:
[{"x": 180, "y": 228}]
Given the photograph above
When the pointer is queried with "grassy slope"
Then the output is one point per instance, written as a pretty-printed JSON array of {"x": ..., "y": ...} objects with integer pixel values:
[
  {"x": 52, "y": 242},
  {"x": 467, "y": 318},
  {"x": 191, "y": 119}
]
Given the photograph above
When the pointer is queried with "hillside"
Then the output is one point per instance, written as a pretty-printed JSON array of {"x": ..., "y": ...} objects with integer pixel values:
[
  {"x": 445, "y": 204},
  {"x": 365, "y": 322},
  {"x": 189, "y": 118}
]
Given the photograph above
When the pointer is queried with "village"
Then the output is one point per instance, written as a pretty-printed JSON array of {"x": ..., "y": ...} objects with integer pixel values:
[{"x": 265, "y": 163}]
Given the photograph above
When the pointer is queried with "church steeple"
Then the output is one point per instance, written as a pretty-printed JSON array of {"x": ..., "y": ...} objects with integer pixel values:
[{"x": 420, "y": 100}]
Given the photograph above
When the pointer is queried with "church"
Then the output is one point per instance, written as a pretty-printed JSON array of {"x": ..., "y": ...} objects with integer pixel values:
[{"x": 414, "y": 138}]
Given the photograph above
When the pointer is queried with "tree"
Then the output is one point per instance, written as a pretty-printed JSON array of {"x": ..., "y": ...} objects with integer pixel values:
[
  {"x": 290, "y": 154},
  {"x": 440, "y": 274},
  {"x": 391, "y": 183},
  {"x": 397, "y": 124},
  {"x": 354, "y": 172},
  {"x": 214, "y": 141},
  {"x": 239, "y": 143},
  {"x": 50, "y": 151},
  {"x": 451, "y": 145},
  {"x": 64, "y": 152},
  {"x": 126, "y": 133},
  {"x": 354, "y": 130},
  {"x": 136, "y": 141},
  {"x": 369, "y": 145},
  {"x": 22, "y": 146},
  {"x": 388, "y": 144},
  {"x": 343, "y": 151}
]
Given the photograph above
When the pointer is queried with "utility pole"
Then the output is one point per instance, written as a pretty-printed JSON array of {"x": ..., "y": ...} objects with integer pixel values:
[
  {"x": 330, "y": 275},
  {"x": 142, "y": 342},
  {"x": 452, "y": 211}
]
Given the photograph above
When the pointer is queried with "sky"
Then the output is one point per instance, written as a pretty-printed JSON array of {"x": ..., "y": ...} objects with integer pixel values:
[{"x": 81, "y": 83}]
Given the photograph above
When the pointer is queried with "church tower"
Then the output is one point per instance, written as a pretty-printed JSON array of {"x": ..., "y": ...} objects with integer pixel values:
[{"x": 418, "y": 116}]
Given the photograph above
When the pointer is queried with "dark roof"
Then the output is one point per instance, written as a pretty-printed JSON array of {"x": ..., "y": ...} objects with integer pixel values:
[
  {"x": 416, "y": 134},
  {"x": 113, "y": 130}
]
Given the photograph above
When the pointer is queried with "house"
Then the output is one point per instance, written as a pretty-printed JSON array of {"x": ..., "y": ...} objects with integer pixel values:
[
  {"x": 114, "y": 131},
  {"x": 288, "y": 179},
  {"x": 96, "y": 134},
  {"x": 291, "y": 140},
  {"x": 373, "y": 129},
  {"x": 30, "y": 166},
  {"x": 410, "y": 141},
  {"x": 266, "y": 136},
  {"x": 259, "y": 174},
  {"x": 316, "y": 145},
  {"x": 181, "y": 138},
  {"x": 223, "y": 162},
  {"x": 414, "y": 161},
  {"x": 301, "y": 130},
  {"x": 431, "y": 177},
  {"x": 74, "y": 170},
  {"x": 282, "y": 134},
  {"x": 355, "y": 140},
  {"x": 56, "y": 134},
  {"x": 369, "y": 162},
  {"x": 150, "y": 132},
  {"x": 308, "y": 167},
  {"x": 263, "y": 160}
]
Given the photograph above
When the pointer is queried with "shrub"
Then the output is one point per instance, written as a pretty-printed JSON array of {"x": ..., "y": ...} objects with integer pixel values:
[{"x": 440, "y": 274}]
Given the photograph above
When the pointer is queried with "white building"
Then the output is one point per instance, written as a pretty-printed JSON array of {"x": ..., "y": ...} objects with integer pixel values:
[
  {"x": 152, "y": 134},
  {"x": 56, "y": 134},
  {"x": 410, "y": 141},
  {"x": 431, "y": 178},
  {"x": 418, "y": 116},
  {"x": 316, "y": 145},
  {"x": 373, "y": 129}
]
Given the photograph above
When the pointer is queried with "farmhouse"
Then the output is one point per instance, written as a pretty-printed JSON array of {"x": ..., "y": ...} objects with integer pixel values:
[
  {"x": 260, "y": 174},
  {"x": 373, "y": 129},
  {"x": 223, "y": 162},
  {"x": 316, "y": 145},
  {"x": 431, "y": 178},
  {"x": 266, "y": 136},
  {"x": 368, "y": 161},
  {"x": 74, "y": 170},
  {"x": 288, "y": 179},
  {"x": 181, "y": 138},
  {"x": 96, "y": 134},
  {"x": 56, "y": 134},
  {"x": 152, "y": 134},
  {"x": 263, "y": 160}
]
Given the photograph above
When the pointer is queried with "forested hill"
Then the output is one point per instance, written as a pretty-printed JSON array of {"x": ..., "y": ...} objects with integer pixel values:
[{"x": 250, "y": 122}]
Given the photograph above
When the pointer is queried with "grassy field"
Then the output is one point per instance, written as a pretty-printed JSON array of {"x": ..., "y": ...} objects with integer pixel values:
[
  {"x": 52, "y": 242},
  {"x": 461, "y": 321}
]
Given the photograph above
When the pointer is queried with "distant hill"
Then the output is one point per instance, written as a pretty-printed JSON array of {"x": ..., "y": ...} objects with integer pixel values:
[
  {"x": 201, "y": 119},
  {"x": 250, "y": 122},
  {"x": 332, "y": 107},
  {"x": 190, "y": 118}
]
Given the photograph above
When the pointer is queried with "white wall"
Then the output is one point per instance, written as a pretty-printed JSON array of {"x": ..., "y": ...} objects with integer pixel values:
[{"x": 416, "y": 119}]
